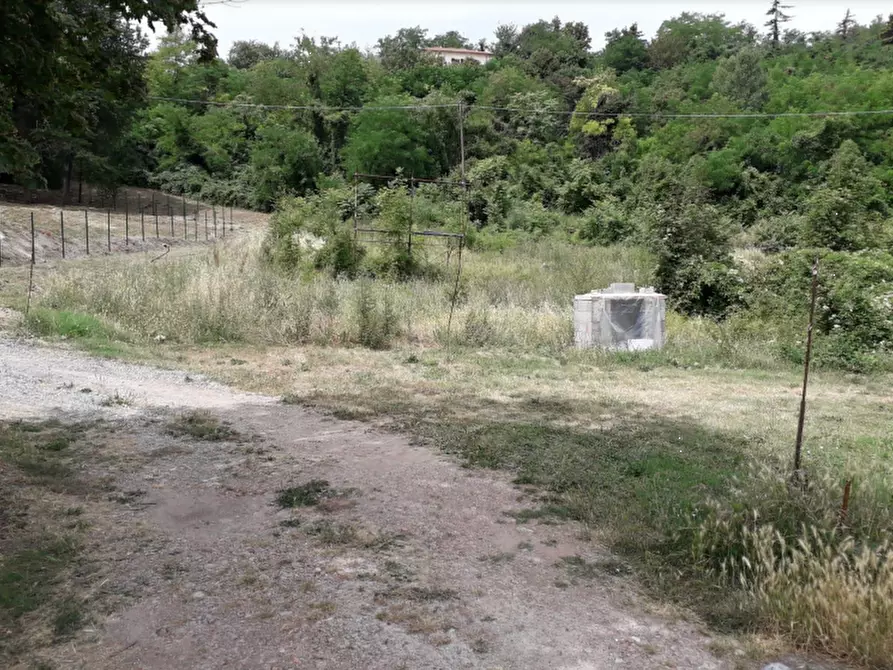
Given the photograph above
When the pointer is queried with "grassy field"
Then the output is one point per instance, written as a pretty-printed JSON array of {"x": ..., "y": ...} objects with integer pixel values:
[{"x": 679, "y": 460}]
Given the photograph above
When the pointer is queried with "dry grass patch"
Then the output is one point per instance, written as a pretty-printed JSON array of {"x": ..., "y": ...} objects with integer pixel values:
[
  {"x": 304, "y": 495},
  {"x": 201, "y": 425},
  {"x": 41, "y": 533}
]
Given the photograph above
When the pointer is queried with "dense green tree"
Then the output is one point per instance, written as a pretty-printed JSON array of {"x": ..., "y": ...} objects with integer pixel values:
[
  {"x": 245, "y": 54},
  {"x": 506, "y": 40},
  {"x": 691, "y": 241},
  {"x": 403, "y": 50},
  {"x": 284, "y": 160},
  {"x": 551, "y": 42},
  {"x": 740, "y": 77},
  {"x": 71, "y": 79},
  {"x": 176, "y": 70},
  {"x": 383, "y": 141},
  {"x": 696, "y": 37},
  {"x": 278, "y": 82},
  {"x": 626, "y": 49},
  {"x": 846, "y": 212},
  {"x": 451, "y": 39},
  {"x": 595, "y": 121}
]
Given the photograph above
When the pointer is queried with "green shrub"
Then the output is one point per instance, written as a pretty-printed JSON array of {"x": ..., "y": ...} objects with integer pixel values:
[
  {"x": 341, "y": 255},
  {"x": 376, "y": 320},
  {"x": 479, "y": 330},
  {"x": 53, "y": 322},
  {"x": 605, "y": 223},
  {"x": 318, "y": 230},
  {"x": 854, "y": 313},
  {"x": 532, "y": 217},
  {"x": 694, "y": 264},
  {"x": 778, "y": 233}
]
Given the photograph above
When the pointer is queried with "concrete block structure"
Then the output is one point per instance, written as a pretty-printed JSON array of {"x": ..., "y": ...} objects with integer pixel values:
[{"x": 620, "y": 318}]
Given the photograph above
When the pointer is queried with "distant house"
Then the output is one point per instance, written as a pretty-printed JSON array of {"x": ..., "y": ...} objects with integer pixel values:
[{"x": 451, "y": 56}]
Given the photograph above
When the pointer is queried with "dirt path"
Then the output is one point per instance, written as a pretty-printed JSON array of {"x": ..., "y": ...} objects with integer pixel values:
[{"x": 408, "y": 560}]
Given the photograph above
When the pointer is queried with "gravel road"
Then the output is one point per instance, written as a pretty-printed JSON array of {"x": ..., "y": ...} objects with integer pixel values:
[
  {"x": 38, "y": 381},
  {"x": 413, "y": 564}
]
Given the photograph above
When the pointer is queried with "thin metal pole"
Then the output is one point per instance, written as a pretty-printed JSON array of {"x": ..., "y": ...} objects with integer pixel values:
[
  {"x": 126, "y": 222},
  {"x": 170, "y": 213},
  {"x": 411, "y": 207},
  {"x": 185, "y": 233},
  {"x": 462, "y": 138},
  {"x": 139, "y": 206},
  {"x": 356, "y": 206},
  {"x": 62, "y": 230},
  {"x": 798, "y": 446},
  {"x": 155, "y": 212},
  {"x": 223, "y": 217},
  {"x": 108, "y": 227},
  {"x": 30, "y": 287},
  {"x": 230, "y": 218},
  {"x": 206, "y": 224},
  {"x": 455, "y": 295},
  {"x": 87, "y": 230},
  {"x": 33, "y": 249}
]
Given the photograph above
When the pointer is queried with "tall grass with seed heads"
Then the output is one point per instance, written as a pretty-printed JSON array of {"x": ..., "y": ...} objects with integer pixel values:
[{"x": 809, "y": 569}]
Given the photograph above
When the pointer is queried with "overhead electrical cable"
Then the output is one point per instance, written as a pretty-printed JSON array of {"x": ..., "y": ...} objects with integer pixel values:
[{"x": 528, "y": 110}]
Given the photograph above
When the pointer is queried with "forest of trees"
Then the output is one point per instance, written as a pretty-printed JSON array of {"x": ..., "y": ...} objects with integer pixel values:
[{"x": 683, "y": 141}]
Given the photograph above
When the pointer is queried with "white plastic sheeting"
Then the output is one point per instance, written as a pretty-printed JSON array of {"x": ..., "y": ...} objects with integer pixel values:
[{"x": 620, "y": 317}]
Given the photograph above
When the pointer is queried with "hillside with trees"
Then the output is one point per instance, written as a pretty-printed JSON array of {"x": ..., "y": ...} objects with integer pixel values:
[
  {"x": 421, "y": 232},
  {"x": 703, "y": 140}
]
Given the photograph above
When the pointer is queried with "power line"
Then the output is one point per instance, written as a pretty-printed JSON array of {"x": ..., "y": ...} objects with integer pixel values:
[
  {"x": 527, "y": 110},
  {"x": 309, "y": 108},
  {"x": 661, "y": 115}
]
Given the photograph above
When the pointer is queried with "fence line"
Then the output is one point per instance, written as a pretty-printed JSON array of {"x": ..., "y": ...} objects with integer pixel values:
[{"x": 71, "y": 244}]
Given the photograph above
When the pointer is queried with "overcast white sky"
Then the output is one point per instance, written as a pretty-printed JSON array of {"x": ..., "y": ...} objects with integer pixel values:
[{"x": 364, "y": 22}]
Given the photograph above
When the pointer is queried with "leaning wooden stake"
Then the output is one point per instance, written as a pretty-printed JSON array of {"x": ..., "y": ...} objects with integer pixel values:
[
  {"x": 798, "y": 476},
  {"x": 845, "y": 505}
]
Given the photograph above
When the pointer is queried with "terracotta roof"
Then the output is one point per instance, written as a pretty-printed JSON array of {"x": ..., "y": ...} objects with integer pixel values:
[{"x": 459, "y": 51}]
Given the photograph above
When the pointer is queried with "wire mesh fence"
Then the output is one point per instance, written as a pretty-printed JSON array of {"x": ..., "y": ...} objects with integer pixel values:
[
  {"x": 33, "y": 232},
  {"x": 428, "y": 223}
]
